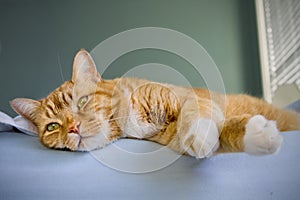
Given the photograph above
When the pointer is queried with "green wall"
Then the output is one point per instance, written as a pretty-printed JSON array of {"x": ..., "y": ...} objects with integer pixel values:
[{"x": 38, "y": 40}]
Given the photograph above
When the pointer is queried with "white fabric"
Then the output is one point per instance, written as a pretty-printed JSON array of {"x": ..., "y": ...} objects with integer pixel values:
[{"x": 7, "y": 123}]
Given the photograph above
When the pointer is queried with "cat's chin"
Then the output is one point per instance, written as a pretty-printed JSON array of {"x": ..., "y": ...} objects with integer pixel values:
[
  {"x": 93, "y": 142},
  {"x": 77, "y": 142}
]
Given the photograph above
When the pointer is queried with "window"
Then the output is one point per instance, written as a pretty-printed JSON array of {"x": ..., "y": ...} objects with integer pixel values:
[{"x": 279, "y": 38}]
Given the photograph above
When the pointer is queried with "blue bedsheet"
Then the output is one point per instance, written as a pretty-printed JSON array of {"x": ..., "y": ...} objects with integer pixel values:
[{"x": 28, "y": 170}]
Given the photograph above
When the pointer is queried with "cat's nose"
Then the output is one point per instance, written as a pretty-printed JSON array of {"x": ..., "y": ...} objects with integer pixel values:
[{"x": 74, "y": 128}]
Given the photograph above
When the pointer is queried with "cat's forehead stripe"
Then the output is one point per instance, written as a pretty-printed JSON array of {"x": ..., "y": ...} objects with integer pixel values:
[
  {"x": 49, "y": 110},
  {"x": 66, "y": 97},
  {"x": 57, "y": 101}
]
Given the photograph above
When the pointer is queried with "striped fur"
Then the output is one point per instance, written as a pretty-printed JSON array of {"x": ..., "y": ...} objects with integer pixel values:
[{"x": 197, "y": 122}]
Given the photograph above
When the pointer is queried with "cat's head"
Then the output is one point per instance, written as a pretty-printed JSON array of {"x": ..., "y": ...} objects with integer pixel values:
[{"x": 76, "y": 115}]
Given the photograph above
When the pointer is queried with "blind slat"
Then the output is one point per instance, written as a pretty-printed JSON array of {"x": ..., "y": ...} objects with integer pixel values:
[{"x": 282, "y": 21}]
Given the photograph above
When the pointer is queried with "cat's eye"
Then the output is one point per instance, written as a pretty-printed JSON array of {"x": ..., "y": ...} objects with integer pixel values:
[
  {"x": 82, "y": 101},
  {"x": 53, "y": 126}
]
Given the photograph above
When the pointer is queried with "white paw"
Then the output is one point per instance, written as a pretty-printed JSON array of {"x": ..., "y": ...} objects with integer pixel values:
[
  {"x": 262, "y": 136},
  {"x": 202, "y": 139}
]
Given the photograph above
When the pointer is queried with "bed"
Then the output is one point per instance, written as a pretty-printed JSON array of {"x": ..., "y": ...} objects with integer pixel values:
[{"x": 28, "y": 170}]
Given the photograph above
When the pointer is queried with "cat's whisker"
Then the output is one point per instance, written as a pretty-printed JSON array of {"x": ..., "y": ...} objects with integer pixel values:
[
  {"x": 60, "y": 68},
  {"x": 121, "y": 110}
]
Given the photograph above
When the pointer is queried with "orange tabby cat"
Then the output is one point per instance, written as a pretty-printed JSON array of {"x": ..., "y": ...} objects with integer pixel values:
[{"x": 88, "y": 113}]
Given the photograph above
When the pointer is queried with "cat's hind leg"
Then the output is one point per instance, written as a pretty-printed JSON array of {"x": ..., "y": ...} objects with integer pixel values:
[
  {"x": 254, "y": 135},
  {"x": 262, "y": 136}
]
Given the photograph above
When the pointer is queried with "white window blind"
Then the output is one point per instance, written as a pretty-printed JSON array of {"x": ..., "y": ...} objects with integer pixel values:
[{"x": 279, "y": 36}]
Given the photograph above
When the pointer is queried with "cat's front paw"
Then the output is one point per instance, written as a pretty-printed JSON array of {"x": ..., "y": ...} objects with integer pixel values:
[
  {"x": 262, "y": 136},
  {"x": 72, "y": 141},
  {"x": 202, "y": 139}
]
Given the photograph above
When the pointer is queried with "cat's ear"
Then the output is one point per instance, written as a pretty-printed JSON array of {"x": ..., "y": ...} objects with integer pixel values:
[
  {"x": 26, "y": 107},
  {"x": 84, "y": 67}
]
